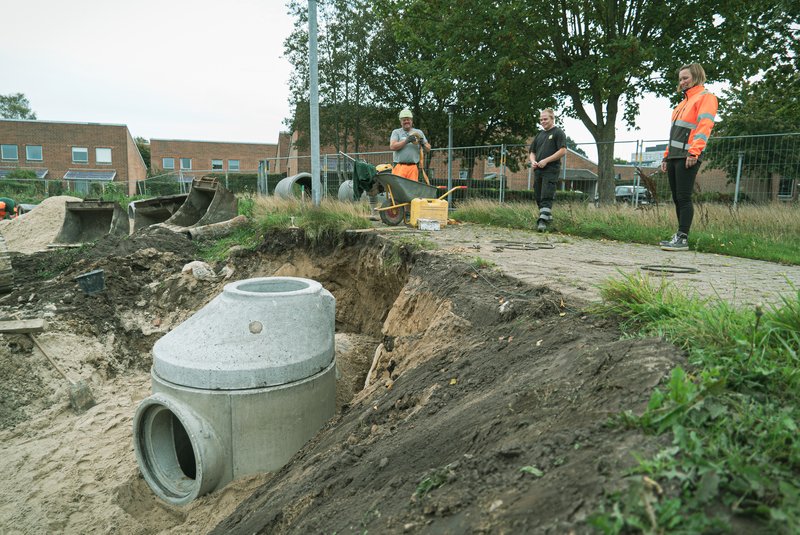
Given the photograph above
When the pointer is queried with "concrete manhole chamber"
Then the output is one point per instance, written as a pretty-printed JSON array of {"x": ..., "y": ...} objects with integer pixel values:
[{"x": 238, "y": 388}]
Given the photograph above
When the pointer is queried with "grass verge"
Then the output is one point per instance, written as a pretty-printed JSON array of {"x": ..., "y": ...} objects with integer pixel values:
[
  {"x": 764, "y": 232},
  {"x": 732, "y": 416}
]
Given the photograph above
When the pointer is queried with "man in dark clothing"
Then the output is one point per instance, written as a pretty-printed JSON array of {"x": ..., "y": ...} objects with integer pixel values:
[{"x": 546, "y": 151}]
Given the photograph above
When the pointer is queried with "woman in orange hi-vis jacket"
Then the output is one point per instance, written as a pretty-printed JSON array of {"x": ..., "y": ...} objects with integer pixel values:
[{"x": 692, "y": 122}]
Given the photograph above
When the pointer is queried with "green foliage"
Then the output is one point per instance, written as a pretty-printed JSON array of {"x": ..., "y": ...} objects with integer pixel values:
[
  {"x": 433, "y": 480},
  {"x": 325, "y": 224},
  {"x": 22, "y": 185},
  {"x": 144, "y": 149},
  {"x": 482, "y": 263},
  {"x": 247, "y": 236},
  {"x": 238, "y": 182},
  {"x": 16, "y": 106},
  {"x": 732, "y": 419},
  {"x": 19, "y": 172},
  {"x": 532, "y": 470},
  {"x": 763, "y": 109}
]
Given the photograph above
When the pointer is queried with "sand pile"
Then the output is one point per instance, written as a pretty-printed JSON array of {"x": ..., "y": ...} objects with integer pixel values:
[{"x": 33, "y": 231}]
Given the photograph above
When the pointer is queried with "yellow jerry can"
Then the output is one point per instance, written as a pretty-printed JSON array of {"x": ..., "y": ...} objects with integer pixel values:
[{"x": 428, "y": 209}]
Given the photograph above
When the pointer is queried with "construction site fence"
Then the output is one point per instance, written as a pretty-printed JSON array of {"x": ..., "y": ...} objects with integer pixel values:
[{"x": 755, "y": 169}]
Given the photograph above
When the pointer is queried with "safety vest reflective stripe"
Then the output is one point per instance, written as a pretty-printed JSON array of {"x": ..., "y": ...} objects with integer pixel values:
[
  {"x": 685, "y": 124},
  {"x": 677, "y": 144},
  {"x": 705, "y": 116}
]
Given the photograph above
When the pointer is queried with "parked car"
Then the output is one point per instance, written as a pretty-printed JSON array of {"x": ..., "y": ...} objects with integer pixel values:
[{"x": 627, "y": 193}]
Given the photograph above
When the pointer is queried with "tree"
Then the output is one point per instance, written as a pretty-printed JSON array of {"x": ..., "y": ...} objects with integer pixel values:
[
  {"x": 144, "y": 149},
  {"x": 752, "y": 111},
  {"x": 502, "y": 59},
  {"x": 348, "y": 109},
  {"x": 15, "y": 106}
]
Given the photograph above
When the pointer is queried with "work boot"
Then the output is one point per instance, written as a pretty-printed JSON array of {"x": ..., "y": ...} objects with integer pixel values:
[
  {"x": 542, "y": 225},
  {"x": 679, "y": 242}
]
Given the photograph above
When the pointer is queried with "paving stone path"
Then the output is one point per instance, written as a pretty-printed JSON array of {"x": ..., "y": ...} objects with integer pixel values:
[{"x": 576, "y": 266}]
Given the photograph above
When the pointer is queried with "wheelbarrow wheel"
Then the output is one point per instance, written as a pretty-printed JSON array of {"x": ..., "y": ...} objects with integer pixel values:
[{"x": 393, "y": 216}]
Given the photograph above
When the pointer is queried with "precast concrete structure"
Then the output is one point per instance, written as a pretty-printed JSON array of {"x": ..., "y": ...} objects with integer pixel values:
[{"x": 238, "y": 388}]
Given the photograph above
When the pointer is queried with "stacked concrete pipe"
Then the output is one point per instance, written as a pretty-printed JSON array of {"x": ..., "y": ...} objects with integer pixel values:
[{"x": 238, "y": 388}]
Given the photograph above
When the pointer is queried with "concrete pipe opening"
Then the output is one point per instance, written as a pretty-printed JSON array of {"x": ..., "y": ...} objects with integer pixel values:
[
  {"x": 178, "y": 453},
  {"x": 277, "y": 285}
]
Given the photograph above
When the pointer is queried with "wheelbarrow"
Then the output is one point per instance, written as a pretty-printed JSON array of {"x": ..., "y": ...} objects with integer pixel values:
[{"x": 400, "y": 191}]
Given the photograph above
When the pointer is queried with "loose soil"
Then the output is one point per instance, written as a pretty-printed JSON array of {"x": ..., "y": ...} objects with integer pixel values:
[{"x": 486, "y": 410}]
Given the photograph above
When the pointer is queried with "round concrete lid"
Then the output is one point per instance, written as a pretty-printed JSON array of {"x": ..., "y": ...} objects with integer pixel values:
[{"x": 258, "y": 332}]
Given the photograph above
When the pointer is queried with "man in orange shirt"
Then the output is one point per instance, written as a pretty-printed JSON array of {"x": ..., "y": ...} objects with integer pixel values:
[{"x": 405, "y": 142}]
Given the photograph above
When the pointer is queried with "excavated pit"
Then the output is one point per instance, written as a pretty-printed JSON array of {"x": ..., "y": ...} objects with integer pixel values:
[{"x": 471, "y": 377}]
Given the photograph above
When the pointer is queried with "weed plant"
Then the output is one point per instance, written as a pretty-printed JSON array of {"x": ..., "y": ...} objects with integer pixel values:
[
  {"x": 763, "y": 232},
  {"x": 732, "y": 415}
]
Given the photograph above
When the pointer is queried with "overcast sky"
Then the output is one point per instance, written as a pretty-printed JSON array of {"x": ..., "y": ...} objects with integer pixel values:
[{"x": 178, "y": 69}]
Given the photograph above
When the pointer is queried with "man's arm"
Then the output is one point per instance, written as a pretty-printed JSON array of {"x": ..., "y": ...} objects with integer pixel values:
[
  {"x": 557, "y": 155},
  {"x": 395, "y": 143}
]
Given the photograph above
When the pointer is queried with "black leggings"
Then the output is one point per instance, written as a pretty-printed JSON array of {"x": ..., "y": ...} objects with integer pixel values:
[{"x": 681, "y": 183}]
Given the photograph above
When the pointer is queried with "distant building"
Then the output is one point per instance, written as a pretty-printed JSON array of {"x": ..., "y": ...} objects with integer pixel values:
[
  {"x": 651, "y": 157},
  {"x": 78, "y": 154},
  {"x": 197, "y": 158}
]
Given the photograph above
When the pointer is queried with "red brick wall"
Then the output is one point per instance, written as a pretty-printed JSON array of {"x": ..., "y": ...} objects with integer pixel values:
[
  {"x": 57, "y": 140},
  {"x": 202, "y": 152}
]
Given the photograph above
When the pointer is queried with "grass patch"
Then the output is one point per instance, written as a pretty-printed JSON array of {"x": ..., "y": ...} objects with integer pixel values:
[
  {"x": 326, "y": 223},
  {"x": 763, "y": 232},
  {"x": 482, "y": 263},
  {"x": 247, "y": 236},
  {"x": 733, "y": 417}
]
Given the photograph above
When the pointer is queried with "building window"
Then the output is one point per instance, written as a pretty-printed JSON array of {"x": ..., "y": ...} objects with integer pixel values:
[
  {"x": 233, "y": 165},
  {"x": 186, "y": 163},
  {"x": 9, "y": 152},
  {"x": 102, "y": 155},
  {"x": 216, "y": 165},
  {"x": 33, "y": 153},
  {"x": 80, "y": 155},
  {"x": 168, "y": 163}
]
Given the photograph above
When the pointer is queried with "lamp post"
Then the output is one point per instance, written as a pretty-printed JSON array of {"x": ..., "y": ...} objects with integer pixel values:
[
  {"x": 313, "y": 100},
  {"x": 451, "y": 108}
]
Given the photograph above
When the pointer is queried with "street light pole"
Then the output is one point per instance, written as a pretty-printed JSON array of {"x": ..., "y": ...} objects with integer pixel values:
[
  {"x": 313, "y": 83},
  {"x": 450, "y": 110}
]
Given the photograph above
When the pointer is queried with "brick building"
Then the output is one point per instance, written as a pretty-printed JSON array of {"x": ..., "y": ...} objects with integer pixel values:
[
  {"x": 196, "y": 158},
  {"x": 77, "y": 153}
]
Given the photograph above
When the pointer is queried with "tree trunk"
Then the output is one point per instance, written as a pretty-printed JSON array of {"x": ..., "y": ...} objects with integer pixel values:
[{"x": 605, "y": 166}]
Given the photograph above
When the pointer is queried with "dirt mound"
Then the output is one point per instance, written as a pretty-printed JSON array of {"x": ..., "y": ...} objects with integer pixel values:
[
  {"x": 485, "y": 408},
  {"x": 33, "y": 231}
]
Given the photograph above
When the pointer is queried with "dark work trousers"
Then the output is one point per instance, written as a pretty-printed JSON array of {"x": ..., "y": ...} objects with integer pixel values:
[
  {"x": 681, "y": 183},
  {"x": 544, "y": 188}
]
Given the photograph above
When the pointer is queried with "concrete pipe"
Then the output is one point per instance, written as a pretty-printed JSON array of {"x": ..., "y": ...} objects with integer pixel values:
[
  {"x": 292, "y": 186},
  {"x": 238, "y": 388}
]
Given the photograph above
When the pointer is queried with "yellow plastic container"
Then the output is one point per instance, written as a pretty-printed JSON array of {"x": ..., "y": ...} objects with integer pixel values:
[{"x": 428, "y": 209}]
